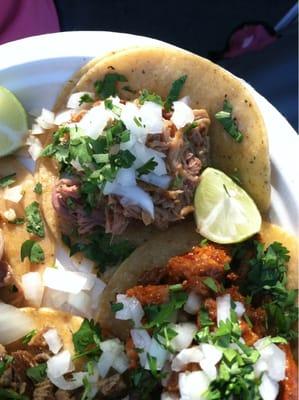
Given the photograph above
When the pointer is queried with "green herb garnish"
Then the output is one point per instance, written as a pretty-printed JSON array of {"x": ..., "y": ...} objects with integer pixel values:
[
  {"x": 174, "y": 92},
  {"x": 85, "y": 98},
  {"x": 107, "y": 87},
  {"x": 87, "y": 340},
  {"x": 211, "y": 284},
  {"x": 26, "y": 339},
  {"x": 116, "y": 307},
  {"x": 5, "y": 361},
  {"x": 32, "y": 250},
  {"x": 7, "y": 180},
  {"x": 8, "y": 394},
  {"x": 17, "y": 221},
  {"x": 38, "y": 188},
  {"x": 146, "y": 168},
  {"x": 34, "y": 222},
  {"x": 228, "y": 122},
  {"x": 145, "y": 95},
  {"x": 38, "y": 373}
]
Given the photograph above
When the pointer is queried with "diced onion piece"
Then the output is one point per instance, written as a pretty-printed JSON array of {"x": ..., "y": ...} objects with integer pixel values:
[
  {"x": 131, "y": 195},
  {"x": 142, "y": 341},
  {"x": 182, "y": 114},
  {"x": 211, "y": 356},
  {"x": 192, "y": 304},
  {"x": 193, "y": 385},
  {"x": 273, "y": 356},
  {"x": 14, "y": 324},
  {"x": 96, "y": 292},
  {"x": 54, "y": 298},
  {"x": 65, "y": 281},
  {"x": 63, "y": 117},
  {"x": 132, "y": 309},
  {"x": 10, "y": 214},
  {"x": 13, "y": 194},
  {"x": 35, "y": 147},
  {"x": 33, "y": 288},
  {"x": 111, "y": 349},
  {"x": 60, "y": 364},
  {"x": 159, "y": 353},
  {"x": 94, "y": 121},
  {"x": 73, "y": 383},
  {"x": 223, "y": 308},
  {"x": 65, "y": 262},
  {"x": 131, "y": 117},
  {"x": 185, "y": 333},
  {"x": 162, "y": 181},
  {"x": 143, "y": 154},
  {"x": 121, "y": 363},
  {"x": 186, "y": 356},
  {"x": 75, "y": 99},
  {"x": 36, "y": 130},
  {"x": 125, "y": 177},
  {"x": 53, "y": 340},
  {"x": 240, "y": 309},
  {"x": 151, "y": 116},
  {"x": 46, "y": 119},
  {"x": 81, "y": 302},
  {"x": 186, "y": 100},
  {"x": 268, "y": 388}
]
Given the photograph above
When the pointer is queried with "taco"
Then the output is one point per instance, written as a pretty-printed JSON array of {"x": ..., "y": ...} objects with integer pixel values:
[
  {"x": 145, "y": 176},
  {"x": 217, "y": 322}
]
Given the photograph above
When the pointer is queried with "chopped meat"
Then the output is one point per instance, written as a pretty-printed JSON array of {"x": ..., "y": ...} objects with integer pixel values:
[
  {"x": 43, "y": 391},
  {"x": 248, "y": 335},
  {"x": 173, "y": 382},
  {"x": 38, "y": 343},
  {"x": 1, "y": 244},
  {"x": 258, "y": 317},
  {"x": 113, "y": 386},
  {"x": 289, "y": 387},
  {"x": 150, "y": 294},
  {"x": 211, "y": 306},
  {"x": 131, "y": 353},
  {"x": 6, "y": 274},
  {"x": 196, "y": 284},
  {"x": 64, "y": 395},
  {"x": 78, "y": 116},
  {"x": 206, "y": 260},
  {"x": 153, "y": 276},
  {"x": 22, "y": 360},
  {"x": 235, "y": 294}
]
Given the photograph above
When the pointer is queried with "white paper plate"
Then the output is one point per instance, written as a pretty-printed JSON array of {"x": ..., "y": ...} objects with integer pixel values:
[{"x": 36, "y": 68}]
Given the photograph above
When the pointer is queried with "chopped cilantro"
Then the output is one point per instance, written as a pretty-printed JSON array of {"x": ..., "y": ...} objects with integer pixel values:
[
  {"x": 38, "y": 188},
  {"x": 152, "y": 362},
  {"x": 26, "y": 339},
  {"x": 138, "y": 121},
  {"x": 143, "y": 384},
  {"x": 204, "y": 242},
  {"x": 204, "y": 319},
  {"x": 145, "y": 95},
  {"x": 18, "y": 221},
  {"x": 146, "y": 168},
  {"x": 7, "y": 180},
  {"x": 87, "y": 340},
  {"x": 9, "y": 394},
  {"x": 38, "y": 373},
  {"x": 227, "y": 121},
  {"x": 101, "y": 158},
  {"x": 107, "y": 87},
  {"x": 85, "y": 98},
  {"x": 32, "y": 250},
  {"x": 34, "y": 222},
  {"x": 174, "y": 92},
  {"x": 123, "y": 159},
  {"x": 177, "y": 182},
  {"x": 5, "y": 361},
  {"x": 110, "y": 106},
  {"x": 164, "y": 336},
  {"x": 116, "y": 307},
  {"x": 211, "y": 284},
  {"x": 87, "y": 389}
]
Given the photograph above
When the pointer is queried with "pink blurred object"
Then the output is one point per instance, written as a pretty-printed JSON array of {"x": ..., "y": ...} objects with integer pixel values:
[
  {"x": 22, "y": 18},
  {"x": 249, "y": 38}
]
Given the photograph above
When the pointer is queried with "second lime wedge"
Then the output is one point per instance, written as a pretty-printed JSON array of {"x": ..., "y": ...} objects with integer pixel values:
[{"x": 224, "y": 212}]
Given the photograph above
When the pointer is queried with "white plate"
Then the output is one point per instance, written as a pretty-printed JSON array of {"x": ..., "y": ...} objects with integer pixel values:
[{"x": 36, "y": 68}]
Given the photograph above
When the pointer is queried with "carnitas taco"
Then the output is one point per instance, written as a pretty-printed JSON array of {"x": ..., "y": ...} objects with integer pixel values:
[{"x": 129, "y": 152}]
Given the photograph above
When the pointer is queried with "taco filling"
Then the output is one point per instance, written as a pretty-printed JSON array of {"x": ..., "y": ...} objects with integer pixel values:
[{"x": 127, "y": 160}]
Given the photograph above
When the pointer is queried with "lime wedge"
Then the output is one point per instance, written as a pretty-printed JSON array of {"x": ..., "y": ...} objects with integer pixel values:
[
  {"x": 224, "y": 212},
  {"x": 13, "y": 122}
]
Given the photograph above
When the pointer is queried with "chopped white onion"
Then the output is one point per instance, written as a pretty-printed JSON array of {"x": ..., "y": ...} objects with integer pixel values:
[
  {"x": 121, "y": 363},
  {"x": 273, "y": 357},
  {"x": 53, "y": 340},
  {"x": 13, "y": 194},
  {"x": 54, "y": 298},
  {"x": 193, "y": 385},
  {"x": 132, "y": 309},
  {"x": 125, "y": 177},
  {"x": 240, "y": 309},
  {"x": 268, "y": 388},
  {"x": 186, "y": 356},
  {"x": 211, "y": 356},
  {"x": 192, "y": 304},
  {"x": 185, "y": 333},
  {"x": 143, "y": 154},
  {"x": 223, "y": 308},
  {"x": 46, "y": 119},
  {"x": 33, "y": 288},
  {"x": 96, "y": 292},
  {"x": 131, "y": 195},
  {"x": 10, "y": 214},
  {"x": 182, "y": 114},
  {"x": 74, "y": 383},
  {"x": 159, "y": 353},
  {"x": 65, "y": 262},
  {"x": 60, "y": 364},
  {"x": 151, "y": 116},
  {"x": 81, "y": 302},
  {"x": 142, "y": 341},
  {"x": 94, "y": 121},
  {"x": 14, "y": 324},
  {"x": 131, "y": 117},
  {"x": 65, "y": 281},
  {"x": 36, "y": 130},
  {"x": 63, "y": 117},
  {"x": 74, "y": 99},
  {"x": 186, "y": 100},
  {"x": 35, "y": 147},
  {"x": 162, "y": 181},
  {"x": 111, "y": 350}
]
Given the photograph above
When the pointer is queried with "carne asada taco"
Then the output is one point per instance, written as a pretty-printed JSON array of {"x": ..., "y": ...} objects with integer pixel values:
[
  {"x": 218, "y": 322},
  {"x": 130, "y": 151}
]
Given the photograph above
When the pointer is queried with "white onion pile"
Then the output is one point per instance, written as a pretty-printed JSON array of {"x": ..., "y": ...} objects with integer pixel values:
[
  {"x": 33, "y": 288},
  {"x": 14, "y": 324},
  {"x": 35, "y": 147},
  {"x": 74, "y": 100},
  {"x": 185, "y": 333},
  {"x": 193, "y": 385},
  {"x": 223, "y": 308},
  {"x": 132, "y": 309},
  {"x": 112, "y": 356},
  {"x": 53, "y": 340},
  {"x": 182, "y": 114}
]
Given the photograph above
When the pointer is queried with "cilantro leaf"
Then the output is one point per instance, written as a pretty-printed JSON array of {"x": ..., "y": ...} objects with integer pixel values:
[
  {"x": 123, "y": 159},
  {"x": 228, "y": 122},
  {"x": 5, "y": 361},
  {"x": 18, "y": 221},
  {"x": 107, "y": 87},
  {"x": 211, "y": 284},
  {"x": 144, "y": 384},
  {"x": 148, "y": 167},
  {"x": 174, "y": 92},
  {"x": 26, "y": 339},
  {"x": 85, "y": 98},
  {"x": 145, "y": 95},
  {"x": 38, "y": 188},
  {"x": 8, "y": 394},
  {"x": 34, "y": 222},
  {"x": 110, "y": 106},
  {"x": 7, "y": 180},
  {"x": 116, "y": 307},
  {"x": 38, "y": 373},
  {"x": 87, "y": 339},
  {"x": 32, "y": 250}
]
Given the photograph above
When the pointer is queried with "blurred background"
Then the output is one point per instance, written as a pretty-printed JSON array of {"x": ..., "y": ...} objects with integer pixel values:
[{"x": 256, "y": 40}]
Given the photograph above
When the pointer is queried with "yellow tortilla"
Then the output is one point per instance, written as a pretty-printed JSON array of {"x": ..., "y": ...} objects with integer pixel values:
[{"x": 157, "y": 251}]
